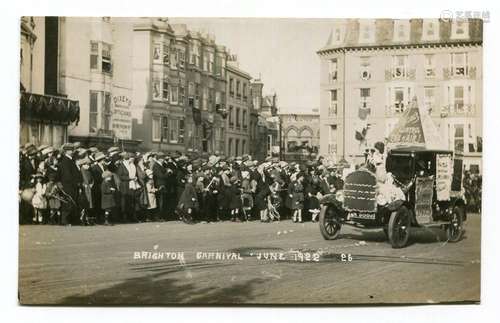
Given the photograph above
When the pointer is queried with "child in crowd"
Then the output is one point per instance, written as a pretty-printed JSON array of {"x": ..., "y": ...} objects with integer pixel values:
[
  {"x": 297, "y": 199},
  {"x": 39, "y": 201},
  {"x": 53, "y": 199},
  {"x": 313, "y": 205},
  {"x": 234, "y": 199}
]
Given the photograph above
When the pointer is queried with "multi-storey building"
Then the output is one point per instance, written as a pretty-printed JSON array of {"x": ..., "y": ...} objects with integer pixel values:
[
  {"x": 371, "y": 69},
  {"x": 179, "y": 88},
  {"x": 264, "y": 128},
  {"x": 46, "y": 112},
  {"x": 300, "y": 134},
  {"x": 239, "y": 103},
  {"x": 94, "y": 66}
]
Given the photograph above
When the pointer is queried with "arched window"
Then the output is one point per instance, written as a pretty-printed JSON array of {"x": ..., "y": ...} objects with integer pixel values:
[
  {"x": 306, "y": 136},
  {"x": 292, "y": 139}
]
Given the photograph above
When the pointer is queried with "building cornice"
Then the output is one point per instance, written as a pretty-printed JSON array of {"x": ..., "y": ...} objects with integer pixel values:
[
  {"x": 344, "y": 49},
  {"x": 237, "y": 71}
]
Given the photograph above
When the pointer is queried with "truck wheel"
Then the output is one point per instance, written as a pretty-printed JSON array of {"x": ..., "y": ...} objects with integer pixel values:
[
  {"x": 455, "y": 229},
  {"x": 399, "y": 227},
  {"x": 329, "y": 222}
]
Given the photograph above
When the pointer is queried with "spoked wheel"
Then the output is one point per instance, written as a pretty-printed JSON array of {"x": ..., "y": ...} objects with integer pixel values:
[
  {"x": 399, "y": 227},
  {"x": 329, "y": 222},
  {"x": 455, "y": 229}
]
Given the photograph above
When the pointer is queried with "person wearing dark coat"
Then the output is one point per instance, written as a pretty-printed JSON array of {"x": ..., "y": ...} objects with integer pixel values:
[
  {"x": 234, "y": 196},
  {"x": 71, "y": 180},
  {"x": 108, "y": 191},
  {"x": 126, "y": 171},
  {"x": 27, "y": 168},
  {"x": 171, "y": 192},
  {"x": 160, "y": 178},
  {"x": 188, "y": 201},
  {"x": 97, "y": 169}
]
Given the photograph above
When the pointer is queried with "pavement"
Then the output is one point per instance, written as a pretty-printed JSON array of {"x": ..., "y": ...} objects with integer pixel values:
[{"x": 172, "y": 263}]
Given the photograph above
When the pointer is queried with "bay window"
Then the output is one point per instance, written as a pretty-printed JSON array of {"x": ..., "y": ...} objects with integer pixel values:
[
  {"x": 174, "y": 94},
  {"x": 333, "y": 70},
  {"x": 93, "y": 111},
  {"x": 94, "y": 55},
  {"x": 166, "y": 55},
  {"x": 106, "y": 111},
  {"x": 332, "y": 111},
  {"x": 165, "y": 90},
  {"x": 106, "y": 58}
]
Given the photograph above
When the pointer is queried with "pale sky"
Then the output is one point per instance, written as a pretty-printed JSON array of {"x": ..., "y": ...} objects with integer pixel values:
[{"x": 283, "y": 51}]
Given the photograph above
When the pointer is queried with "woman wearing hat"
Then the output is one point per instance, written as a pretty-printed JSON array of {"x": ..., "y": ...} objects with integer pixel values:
[
  {"x": 296, "y": 194},
  {"x": 188, "y": 201},
  {"x": 262, "y": 192},
  {"x": 234, "y": 196},
  {"x": 86, "y": 202},
  {"x": 108, "y": 191}
]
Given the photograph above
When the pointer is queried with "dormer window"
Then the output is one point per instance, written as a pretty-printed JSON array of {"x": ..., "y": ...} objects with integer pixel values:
[
  {"x": 401, "y": 30},
  {"x": 459, "y": 29},
  {"x": 337, "y": 35},
  {"x": 366, "y": 31},
  {"x": 430, "y": 29}
]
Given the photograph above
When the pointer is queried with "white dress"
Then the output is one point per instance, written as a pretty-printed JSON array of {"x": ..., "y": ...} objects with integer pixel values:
[{"x": 39, "y": 201}]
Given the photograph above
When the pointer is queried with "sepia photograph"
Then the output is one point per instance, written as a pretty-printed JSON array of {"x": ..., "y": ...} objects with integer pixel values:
[{"x": 204, "y": 161}]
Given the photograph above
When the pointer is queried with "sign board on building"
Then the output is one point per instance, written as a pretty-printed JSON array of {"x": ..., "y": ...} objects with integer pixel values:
[{"x": 122, "y": 117}]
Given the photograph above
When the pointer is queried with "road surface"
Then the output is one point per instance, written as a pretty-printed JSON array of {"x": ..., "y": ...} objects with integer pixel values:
[{"x": 123, "y": 264}]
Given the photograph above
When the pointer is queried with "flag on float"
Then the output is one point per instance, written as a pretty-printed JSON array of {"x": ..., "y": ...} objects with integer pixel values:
[{"x": 415, "y": 128}]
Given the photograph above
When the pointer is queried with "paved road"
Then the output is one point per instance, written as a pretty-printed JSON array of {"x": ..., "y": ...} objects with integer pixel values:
[{"x": 100, "y": 265}]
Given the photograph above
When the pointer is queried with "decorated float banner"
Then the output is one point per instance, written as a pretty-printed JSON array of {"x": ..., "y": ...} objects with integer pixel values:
[
  {"x": 424, "y": 191},
  {"x": 415, "y": 128},
  {"x": 444, "y": 173}
]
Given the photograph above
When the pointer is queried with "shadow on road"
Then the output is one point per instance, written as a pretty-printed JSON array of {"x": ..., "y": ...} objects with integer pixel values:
[
  {"x": 418, "y": 235},
  {"x": 151, "y": 289}
]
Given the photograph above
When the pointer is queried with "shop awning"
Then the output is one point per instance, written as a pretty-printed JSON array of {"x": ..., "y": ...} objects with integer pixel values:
[{"x": 48, "y": 108}]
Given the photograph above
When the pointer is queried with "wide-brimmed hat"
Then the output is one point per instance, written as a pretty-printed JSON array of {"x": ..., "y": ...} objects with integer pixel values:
[
  {"x": 48, "y": 150},
  {"x": 42, "y": 147},
  {"x": 68, "y": 146},
  {"x": 113, "y": 149},
  {"x": 99, "y": 156},
  {"x": 83, "y": 161}
]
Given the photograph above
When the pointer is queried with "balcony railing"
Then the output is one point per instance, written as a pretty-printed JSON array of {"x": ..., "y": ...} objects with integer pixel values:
[
  {"x": 457, "y": 110},
  {"x": 399, "y": 74},
  {"x": 459, "y": 72},
  {"x": 396, "y": 109}
]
